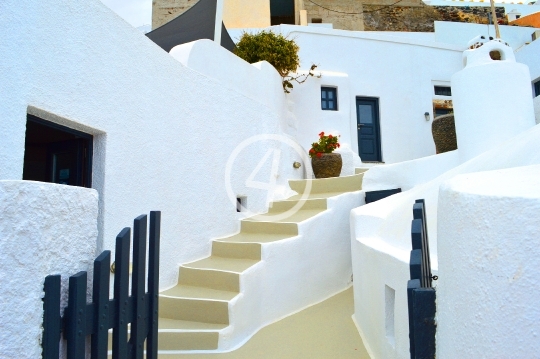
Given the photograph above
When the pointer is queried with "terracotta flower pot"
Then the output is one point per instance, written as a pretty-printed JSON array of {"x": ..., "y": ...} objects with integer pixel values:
[{"x": 328, "y": 165}]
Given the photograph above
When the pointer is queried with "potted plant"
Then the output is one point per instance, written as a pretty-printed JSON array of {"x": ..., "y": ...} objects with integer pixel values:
[{"x": 325, "y": 163}]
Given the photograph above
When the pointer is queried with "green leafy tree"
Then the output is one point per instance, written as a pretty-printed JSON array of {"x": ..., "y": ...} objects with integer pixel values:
[{"x": 278, "y": 50}]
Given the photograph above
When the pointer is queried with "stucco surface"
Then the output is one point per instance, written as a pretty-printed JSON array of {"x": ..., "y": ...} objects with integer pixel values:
[
  {"x": 382, "y": 230},
  {"x": 294, "y": 273},
  {"x": 529, "y": 56},
  {"x": 461, "y": 33},
  {"x": 162, "y": 132},
  {"x": 260, "y": 82},
  {"x": 489, "y": 255},
  {"x": 45, "y": 229},
  {"x": 496, "y": 112},
  {"x": 408, "y": 174}
]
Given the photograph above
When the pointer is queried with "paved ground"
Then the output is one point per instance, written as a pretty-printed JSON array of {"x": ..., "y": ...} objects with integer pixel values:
[{"x": 323, "y": 331}]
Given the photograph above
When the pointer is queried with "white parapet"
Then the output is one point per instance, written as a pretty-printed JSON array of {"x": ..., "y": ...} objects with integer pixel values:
[
  {"x": 44, "y": 229},
  {"x": 492, "y": 99},
  {"x": 489, "y": 257}
]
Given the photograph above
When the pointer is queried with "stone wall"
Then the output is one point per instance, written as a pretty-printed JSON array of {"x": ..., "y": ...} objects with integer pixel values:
[
  {"x": 369, "y": 15},
  {"x": 164, "y": 11},
  {"x": 421, "y": 18},
  {"x": 343, "y": 14},
  {"x": 473, "y": 14}
]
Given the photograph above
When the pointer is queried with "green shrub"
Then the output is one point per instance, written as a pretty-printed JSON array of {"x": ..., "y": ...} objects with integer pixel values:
[{"x": 278, "y": 50}]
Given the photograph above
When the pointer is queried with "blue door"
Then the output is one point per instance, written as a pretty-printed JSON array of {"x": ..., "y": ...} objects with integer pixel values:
[{"x": 367, "y": 119}]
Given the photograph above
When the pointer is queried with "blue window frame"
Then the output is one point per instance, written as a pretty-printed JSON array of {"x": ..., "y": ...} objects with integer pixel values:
[
  {"x": 329, "y": 98},
  {"x": 537, "y": 88}
]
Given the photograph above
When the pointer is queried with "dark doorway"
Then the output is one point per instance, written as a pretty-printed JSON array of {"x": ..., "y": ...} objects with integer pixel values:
[
  {"x": 369, "y": 138},
  {"x": 57, "y": 154},
  {"x": 282, "y": 12}
]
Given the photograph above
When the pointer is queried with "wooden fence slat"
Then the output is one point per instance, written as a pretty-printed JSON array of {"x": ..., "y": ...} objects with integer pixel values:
[
  {"x": 411, "y": 286},
  {"x": 121, "y": 288},
  {"x": 100, "y": 298},
  {"x": 153, "y": 284},
  {"x": 138, "y": 283},
  {"x": 428, "y": 281},
  {"x": 51, "y": 317},
  {"x": 424, "y": 322},
  {"x": 101, "y": 314},
  {"x": 420, "y": 293},
  {"x": 417, "y": 229},
  {"x": 415, "y": 264},
  {"x": 76, "y": 316}
]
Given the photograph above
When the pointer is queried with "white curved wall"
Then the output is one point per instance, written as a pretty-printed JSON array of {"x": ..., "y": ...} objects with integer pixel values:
[
  {"x": 489, "y": 258},
  {"x": 408, "y": 174},
  {"x": 528, "y": 55},
  {"x": 486, "y": 110},
  {"x": 381, "y": 239},
  {"x": 45, "y": 229},
  {"x": 260, "y": 82},
  {"x": 162, "y": 132},
  {"x": 459, "y": 33},
  {"x": 296, "y": 272}
]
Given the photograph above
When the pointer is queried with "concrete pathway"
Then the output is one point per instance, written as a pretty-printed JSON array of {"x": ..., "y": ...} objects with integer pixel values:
[{"x": 322, "y": 331}]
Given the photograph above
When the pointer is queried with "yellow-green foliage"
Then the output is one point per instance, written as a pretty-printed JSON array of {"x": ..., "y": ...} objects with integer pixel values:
[{"x": 279, "y": 51}]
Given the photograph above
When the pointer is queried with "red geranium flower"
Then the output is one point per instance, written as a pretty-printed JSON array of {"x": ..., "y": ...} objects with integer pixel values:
[{"x": 326, "y": 144}]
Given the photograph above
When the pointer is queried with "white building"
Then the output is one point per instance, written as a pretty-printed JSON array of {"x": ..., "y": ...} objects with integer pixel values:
[{"x": 149, "y": 130}]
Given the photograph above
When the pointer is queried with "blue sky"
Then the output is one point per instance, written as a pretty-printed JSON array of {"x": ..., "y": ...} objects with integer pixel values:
[{"x": 136, "y": 12}]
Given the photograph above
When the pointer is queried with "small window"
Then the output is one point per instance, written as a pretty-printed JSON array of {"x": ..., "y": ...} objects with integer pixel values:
[
  {"x": 442, "y": 111},
  {"x": 537, "y": 88},
  {"x": 329, "y": 98},
  {"x": 316, "y": 21},
  {"x": 443, "y": 91}
]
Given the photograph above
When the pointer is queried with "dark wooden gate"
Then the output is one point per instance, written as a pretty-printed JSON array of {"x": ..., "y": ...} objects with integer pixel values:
[
  {"x": 420, "y": 292},
  {"x": 96, "y": 318}
]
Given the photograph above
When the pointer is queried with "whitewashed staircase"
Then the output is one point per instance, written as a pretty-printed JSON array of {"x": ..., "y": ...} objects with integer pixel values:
[{"x": 208, "y": 308}]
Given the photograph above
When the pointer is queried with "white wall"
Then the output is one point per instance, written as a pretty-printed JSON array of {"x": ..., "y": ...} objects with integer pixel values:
[
  {"x": 397, "y": 70},
  {"x": 260, "y": 82},
  {"x": 529, "y": 55},
  {"x": 381, "y": 244},
  {"x": 497, "y": 111},
  {"x": 45, "y": 229},
  {"x": 295, "y": 271},
  {"x": 409, "y": 174},
  {"x": 489, "y": 259},
  {"x": 459, "y": 33},
  {"x": 162, "y": 132}
]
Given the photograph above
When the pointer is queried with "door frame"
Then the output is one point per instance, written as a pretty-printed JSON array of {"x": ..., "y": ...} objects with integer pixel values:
[{"x": 377, "y": 125}]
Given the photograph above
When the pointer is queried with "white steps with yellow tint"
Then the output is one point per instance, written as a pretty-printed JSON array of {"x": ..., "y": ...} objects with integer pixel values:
[
  {"x": 221, "y": 300},
  {"x": 360, "y": 170},
  {"x": 180, "y": 335}
]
